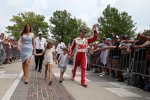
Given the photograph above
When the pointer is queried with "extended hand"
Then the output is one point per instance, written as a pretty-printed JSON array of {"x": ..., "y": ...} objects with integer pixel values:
[
  {"x": 69, "y": 57},
  {"x": 139, "y": 36},
  {"x": 34, "y": 54},
  {"x": 19, "y": 49},
  {"x": 94, "y": 27}
]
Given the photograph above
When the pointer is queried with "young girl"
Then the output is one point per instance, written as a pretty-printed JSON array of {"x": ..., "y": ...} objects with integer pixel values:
[
  {"x": 62, "y": 63},
  {"x": 48, "y": 60}
]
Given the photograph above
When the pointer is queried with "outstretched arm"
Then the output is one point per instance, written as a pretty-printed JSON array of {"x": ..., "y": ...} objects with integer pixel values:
[
  {"x": 143, "y": 36},
  {"x": 99, "y": 49},
  {"x": 143, "y": 45},
  {"x": 94, "y": 38}
]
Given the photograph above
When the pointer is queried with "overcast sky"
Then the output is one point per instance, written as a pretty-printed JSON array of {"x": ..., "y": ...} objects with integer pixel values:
[{"x": 88, "y": 10}]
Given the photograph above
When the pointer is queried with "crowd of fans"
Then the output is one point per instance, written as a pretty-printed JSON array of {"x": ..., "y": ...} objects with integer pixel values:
[
  {"x": 121, "y": 56},
  {"x": 8, "y": 49}
]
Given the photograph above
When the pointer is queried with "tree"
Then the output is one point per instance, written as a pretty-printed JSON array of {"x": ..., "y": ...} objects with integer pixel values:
[
  {"x": 74, "y": 26},
  {"x": 146, "y": 32},
  {"x": 59, "y": 22},
  {"x": 81, "y": 24},
  {"x": 37, "y": 22},
  {"x": 71, "y": 30},
  {"x": 64, "y": 28},
  {"x": 116, "y": 22}
]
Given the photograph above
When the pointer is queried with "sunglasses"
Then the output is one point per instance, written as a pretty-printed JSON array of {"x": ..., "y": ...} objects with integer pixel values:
[{"x": 83, "y": 32}]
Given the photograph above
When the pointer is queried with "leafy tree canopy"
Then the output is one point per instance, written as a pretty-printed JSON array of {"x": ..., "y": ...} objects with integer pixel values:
[
  {"x": 116, "y": 22},
  {"x": 37, "y": 22},
  {"x": 64, "y": 28}
]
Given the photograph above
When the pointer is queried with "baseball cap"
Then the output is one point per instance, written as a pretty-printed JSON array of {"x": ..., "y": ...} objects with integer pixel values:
[
  {"x": 40, "y": 33},
  {"x": 109, "y": 39},
  {"x": 104, "y": 38},
  {"x": 115, "y": 37}
]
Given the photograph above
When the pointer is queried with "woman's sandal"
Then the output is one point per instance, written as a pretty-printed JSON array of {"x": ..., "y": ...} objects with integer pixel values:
[
  {"x": 60, "y": 81},
  {"x": 50, "y": 83},
  {"x": 26, "y": 81}
]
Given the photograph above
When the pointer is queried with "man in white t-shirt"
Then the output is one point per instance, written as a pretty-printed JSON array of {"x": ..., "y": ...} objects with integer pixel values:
[
  {"x": 40, "y": 44},
  {"x": 59, "y": 48},
  {"x": 103, "y": 56}
]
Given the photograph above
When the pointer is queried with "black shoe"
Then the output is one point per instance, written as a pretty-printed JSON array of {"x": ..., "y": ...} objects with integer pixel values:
[
  {"x": 84, "y": 85},
  {"x": 35, "y": 68},
  {"x": 40, "y": 71},
  {"x": 25, "y": 82},
  {"x": 50, "y": 83},
  {"x": 60, "y": 81}
]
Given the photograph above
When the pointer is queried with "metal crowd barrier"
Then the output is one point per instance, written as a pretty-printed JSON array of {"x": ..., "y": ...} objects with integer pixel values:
[
  {"x": 141, "y": 62},
  {"x": 136, "y": 65},
  {"x": 7, "y": 53},
  {"x": 139, "y": 68}
]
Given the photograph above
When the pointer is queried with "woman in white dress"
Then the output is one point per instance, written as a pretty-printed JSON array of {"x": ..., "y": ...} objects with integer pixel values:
[{"x": 48, "y": 60}]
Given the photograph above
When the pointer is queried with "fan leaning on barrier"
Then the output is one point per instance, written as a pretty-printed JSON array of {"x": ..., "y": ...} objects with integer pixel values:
[{"x": 2, "y": 54}]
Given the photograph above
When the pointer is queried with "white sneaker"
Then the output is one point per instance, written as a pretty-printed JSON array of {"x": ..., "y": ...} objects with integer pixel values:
[{"x": 102, "y": 74}]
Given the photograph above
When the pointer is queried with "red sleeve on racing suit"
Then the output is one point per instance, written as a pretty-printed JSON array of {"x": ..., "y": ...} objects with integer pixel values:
[
  {"x": 72, "y": 47},
  {"x": 90, "y": 40}
]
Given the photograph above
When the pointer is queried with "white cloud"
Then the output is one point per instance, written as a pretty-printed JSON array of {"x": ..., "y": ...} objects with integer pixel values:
[
  {"x": 90, "y": 19},
  {"x": 138, "y": 9},
  {"x": 40, "y": 4},
  {"x": 88, "y": 10}
]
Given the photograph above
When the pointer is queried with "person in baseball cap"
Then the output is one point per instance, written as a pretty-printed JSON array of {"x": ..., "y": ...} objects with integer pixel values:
[
  {"x": 40, "y": 45},
  {"x": 40, "y": 33}
]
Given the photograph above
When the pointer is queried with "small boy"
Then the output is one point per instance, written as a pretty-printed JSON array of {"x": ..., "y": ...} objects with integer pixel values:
[{"x": 62, "y": 63}]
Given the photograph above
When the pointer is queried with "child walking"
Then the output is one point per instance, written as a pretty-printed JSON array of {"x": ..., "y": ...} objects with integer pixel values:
[
  {"x": 62, "y": 63},
  {"x": 48, "y": 60}
]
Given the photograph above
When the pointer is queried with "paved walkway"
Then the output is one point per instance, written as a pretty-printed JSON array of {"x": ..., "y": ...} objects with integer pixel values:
[
  {"x": 39, "y": 89},
  {"x": 9, "y": 79},
  {"x": 99, "y": 88}
]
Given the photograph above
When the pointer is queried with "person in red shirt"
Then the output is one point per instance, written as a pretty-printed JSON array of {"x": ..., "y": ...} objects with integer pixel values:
[{"x": 80, "y": 45}]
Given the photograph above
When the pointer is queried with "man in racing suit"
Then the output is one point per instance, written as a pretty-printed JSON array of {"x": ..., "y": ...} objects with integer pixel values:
[{"x": 80, "y": 45}]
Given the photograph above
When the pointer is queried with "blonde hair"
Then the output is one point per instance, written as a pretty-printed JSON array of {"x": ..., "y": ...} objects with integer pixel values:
[{"x": 49, "y": 45}]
